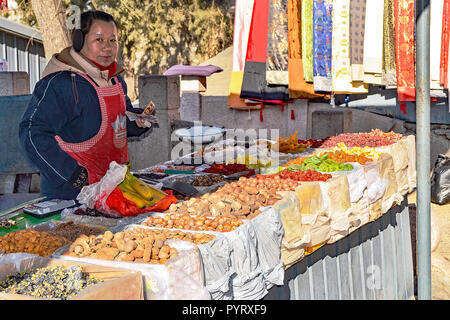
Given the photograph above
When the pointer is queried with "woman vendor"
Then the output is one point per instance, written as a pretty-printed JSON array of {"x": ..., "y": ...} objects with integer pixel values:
[{"x": 75, "y": 124}]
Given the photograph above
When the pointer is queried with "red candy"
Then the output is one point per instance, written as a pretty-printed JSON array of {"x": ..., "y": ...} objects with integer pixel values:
[{"x": 375, "y": 138}]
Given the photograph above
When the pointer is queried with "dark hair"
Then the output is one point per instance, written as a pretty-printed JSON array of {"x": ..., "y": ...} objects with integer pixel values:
[
  {"x": 88, "y": 17},
  {"x": 86, "y": 20}
]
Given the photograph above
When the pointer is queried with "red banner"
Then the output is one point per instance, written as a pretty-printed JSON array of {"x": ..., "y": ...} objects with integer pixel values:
[
  {"x": 4, "y": 5},
  {"x": 405, "y": 50},
  {"x": 444, "y": 44}
]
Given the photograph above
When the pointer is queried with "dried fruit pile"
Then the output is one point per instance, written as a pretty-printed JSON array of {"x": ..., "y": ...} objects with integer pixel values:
[
  {"x": 290, "y": 144},
  {"x": 366, "y": 151},
  {"x": 227, "y": 169},
  {"x": 207, "y": 180},
  {"x": 342, "y": 157},
  {"x": 193, "y": 222},
  {"x": 31, "y": 241},
  {"x": 307, "y": 175},
  {"x": 195, "y": 237},
  {"x": 241, "y": 198},
  {"x": 137, "y": 244},
  {"x": 56, "y": 282},
  {"x": 375, "y": 138},
  {"x": 313, "y": 143},
  {"x": 72, "y": 231},
  {"x": 318, "y": 163}
]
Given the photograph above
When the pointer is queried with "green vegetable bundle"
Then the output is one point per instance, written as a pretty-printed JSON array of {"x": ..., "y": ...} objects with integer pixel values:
[{"x": 322, "y": 164}]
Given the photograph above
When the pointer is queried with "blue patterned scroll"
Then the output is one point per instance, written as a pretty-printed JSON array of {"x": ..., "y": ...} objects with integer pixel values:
[{"x": 322, "y": 44}]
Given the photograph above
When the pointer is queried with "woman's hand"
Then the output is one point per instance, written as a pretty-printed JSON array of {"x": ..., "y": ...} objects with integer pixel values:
[{"x": 141, "y": 123}]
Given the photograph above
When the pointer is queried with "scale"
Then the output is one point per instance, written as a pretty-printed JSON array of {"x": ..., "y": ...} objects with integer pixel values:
[
  {"x": 196, "y": 138},
  {"x": 47, "y": 208},
  {"x": 200, "y": 134}
]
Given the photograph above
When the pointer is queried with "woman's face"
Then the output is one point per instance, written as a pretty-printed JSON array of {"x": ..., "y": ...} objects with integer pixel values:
[{"x": 100, "y": 43}]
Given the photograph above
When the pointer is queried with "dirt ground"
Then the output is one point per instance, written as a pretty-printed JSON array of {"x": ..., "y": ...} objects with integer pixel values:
[{"x": 440, "y": 242}]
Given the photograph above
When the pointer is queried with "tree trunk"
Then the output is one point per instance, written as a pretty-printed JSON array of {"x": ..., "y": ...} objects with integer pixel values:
[{"x": 51, "y": 19}]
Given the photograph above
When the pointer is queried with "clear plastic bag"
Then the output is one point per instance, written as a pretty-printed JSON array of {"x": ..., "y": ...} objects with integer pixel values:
[{"x": 96, "y": 194}]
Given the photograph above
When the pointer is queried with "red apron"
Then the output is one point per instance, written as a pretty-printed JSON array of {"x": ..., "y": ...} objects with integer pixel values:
[{"x": 110, "y": 143}]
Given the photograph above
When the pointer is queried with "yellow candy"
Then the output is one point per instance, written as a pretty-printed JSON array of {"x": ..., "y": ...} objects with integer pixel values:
[{"x": 366, "y": 151}]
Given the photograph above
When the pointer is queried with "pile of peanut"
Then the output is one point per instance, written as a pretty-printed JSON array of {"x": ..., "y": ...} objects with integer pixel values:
[
  {"x": 71, "y": 231},
  {"x": 137, "y": 245},
  {"x": 31, "y": 241},
  {"x": 241, "y": 198},
  {"x": 197, "y": 237}
]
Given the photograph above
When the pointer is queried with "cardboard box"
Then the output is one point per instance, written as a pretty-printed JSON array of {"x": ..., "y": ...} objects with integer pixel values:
[
  {"x": 119, "y": 284},
  {"x": 14, "y": 83}
]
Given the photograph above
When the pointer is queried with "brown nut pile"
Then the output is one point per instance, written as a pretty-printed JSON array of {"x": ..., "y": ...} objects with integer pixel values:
[
  {"x": 137, "y": 245},
  {"x": 241, "y": 198},
  {"x": 193, "y": 222},
  {"x": 207, "y": 180},
  {"x": 71, "y": 231},
  {"x": 196, "y": 237},
  {"x": 31, "y": 241}
]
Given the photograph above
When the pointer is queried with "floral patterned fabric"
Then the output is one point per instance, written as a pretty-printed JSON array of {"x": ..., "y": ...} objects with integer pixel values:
[
  {"x": 277, "y": 44},
  {"x": 357, "y": 24},
  {"x": 322, "y": 41},
  {"x": 298, "y": 87},
  {"x": 307, "y": 39},
  {"x": 389, "y": 69},
  {"x": 405, "y": 50},
  {"x": 340, "y": 64}
]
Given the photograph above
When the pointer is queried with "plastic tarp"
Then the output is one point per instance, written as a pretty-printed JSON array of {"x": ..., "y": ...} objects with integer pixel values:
[
  {"x": 376, "y": 186},
  {"x": 410, "y": 142},
  {"x": 356, "y": 181},
  {"x": 391, "y": 195},
  {"x": 336, "y": 196},
  {"x": 294, "y": 238},
  {"x": 315, "y": 218},
  {"x": 361, "y": 208},
  {"x": 244, "y": 263},
  {"x": 399, "y": 154}
]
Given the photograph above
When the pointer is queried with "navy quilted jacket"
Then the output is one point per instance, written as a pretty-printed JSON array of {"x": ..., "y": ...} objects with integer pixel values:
[{"x": 64, "y": 104}]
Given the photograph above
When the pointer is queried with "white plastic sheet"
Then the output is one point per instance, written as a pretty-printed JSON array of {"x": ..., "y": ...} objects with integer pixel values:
[
  {"x": 244, "y": 263},
  {"x": 356, "y": 181}
]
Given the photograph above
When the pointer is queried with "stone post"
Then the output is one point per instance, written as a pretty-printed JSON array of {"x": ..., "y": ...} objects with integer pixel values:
[
  {"x": 192, "y": 89},
  {"x": 154, "y": 148},
  {"x": 326, "y": 123}
]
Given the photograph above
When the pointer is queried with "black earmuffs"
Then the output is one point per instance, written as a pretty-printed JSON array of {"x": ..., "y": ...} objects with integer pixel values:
[{"x": 78, "y": 40}]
